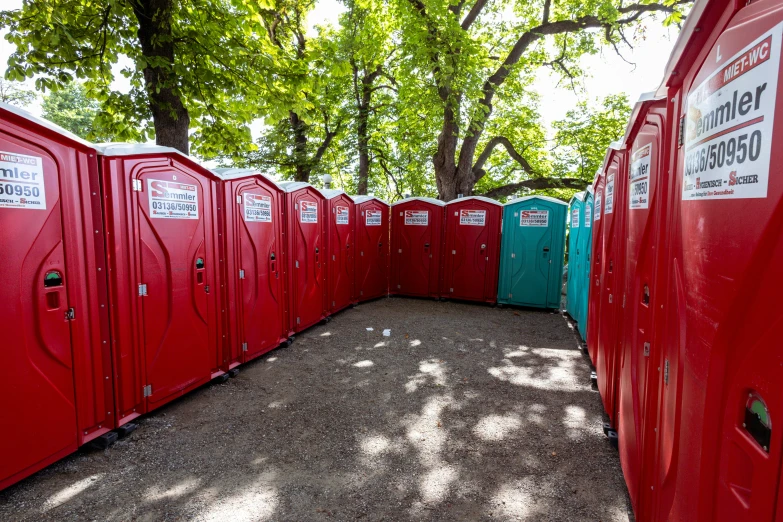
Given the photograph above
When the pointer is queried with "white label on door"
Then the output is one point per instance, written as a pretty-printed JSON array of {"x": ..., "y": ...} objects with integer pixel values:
[
  {"x": 588, "y": 216},
  {"x": 417, "y": 217},
  {"x": 258, "y": 207},
  {"x": 534, "y": 218},
  {"x": 172, "y": 199},
  {"x": 575, "y": 218},
  {"x": 21, "y": 182},
  {"x": 609, "y": 195},
  {"x": 639, "y": 178},
  {"x": 473, "y": 217},
  {"x": 342, "y": 215},
  {"x": 372, "y": 218},
  {"x": 308, "y": 212},
  {"x": 597, "y": 205},
  {"x": 729, "y": 121}
]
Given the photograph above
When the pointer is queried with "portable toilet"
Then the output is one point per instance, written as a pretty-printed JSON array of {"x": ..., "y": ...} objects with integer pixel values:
[
  {"x": 254, "y": 261},
  {"x": 306, "y": 236},
  {"x": 720, "y": 443},
  {"x": 471, "y": 249},
  {"x": 163, "y": 220},
  {"x": 341, "y": 236},
  {"x": 531, "y": 255},
  {"x": 56, "y": 391},
  {"x": 372, "y": 245},
  {"x": 595, "y": 270},
  {"x": 416, "y": 228},
  {"x": 585, "y": 251},
  {"x": 575, "y": 261},
  {"x": 612, "y": 281}
]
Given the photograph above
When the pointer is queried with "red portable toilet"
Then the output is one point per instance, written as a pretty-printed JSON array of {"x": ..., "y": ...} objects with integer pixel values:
[
  {"x": 471, "y": 253},
  {"x": 720, "y": 444},
  {"x": 340, "y": 213},
  {"x": 416, "y": 228},
  {"x": 163, "y": 232},
  {"x": 372, "y": 247},
  {"x": 612, "y": 264},
  {"x": 255, "y": 282},
  {"x": 306, "y": 234},
  {"x": 56, "y": 387},
  {"x": 596, "y": 269},
  {"x": 648, "y": 188}
]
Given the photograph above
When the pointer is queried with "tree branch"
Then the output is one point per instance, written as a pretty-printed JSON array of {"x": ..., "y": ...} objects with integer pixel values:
[
  {"x": 473, "y": 14},
  {"x": 536, "y": 184},
  {"x": 478, "y": 168}
]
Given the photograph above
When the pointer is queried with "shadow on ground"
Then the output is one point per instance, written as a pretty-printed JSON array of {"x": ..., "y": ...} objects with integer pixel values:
[{"x": 463, "y": 413}]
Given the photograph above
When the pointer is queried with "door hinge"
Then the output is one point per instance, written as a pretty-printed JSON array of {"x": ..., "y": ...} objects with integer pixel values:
[
  {"x": 666, "y": 372},
  {"x": 241, "y": 274},
  {"x": 333, "y": 257},
  {"x": 453, "y": 252},
  {"x": 297, "y": 320},
  {"x": 510, "y": 296},
  {"x": 646, "y": 349},
  {"x": 147, "y": 390},
  {"x": 399, "y": 251},
  {"x": 681, "y": 139},
  {"x": 296, "y": 263},
  {"x": 244, "y": 347},
  {"x": 136, "y": 185},
  {"x": 623, "y": 300},
  {"x": 142, "y": 290},
  {"x": 361, "y": 292},
  {"x": 332, "y": 303},
  {"x": 361, "y": 253},
  {"x": 70, "y": 314},
  {"x": 451, "y": 290},
  {"x": 239, "y": 200},
  {"x": 513, "y": 255},
  {"x": 610, "y": 298}
]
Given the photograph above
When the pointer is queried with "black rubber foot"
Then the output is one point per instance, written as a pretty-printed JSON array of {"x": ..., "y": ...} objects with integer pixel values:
[
  {"x": 104, "y": 441},
  {"x": 500, "y": 305},
  {"x": 233, "y": 372},
  {"x": 126, "y": 429},
  {"x": 354, "y": 305},
  {"x": 607, "y": 428},
  {"x": 291, "y": 340},
  {"x": 612, "y": 438},
  {"x": 593, "y": 377},
  {"x": 221, "y": 379}
]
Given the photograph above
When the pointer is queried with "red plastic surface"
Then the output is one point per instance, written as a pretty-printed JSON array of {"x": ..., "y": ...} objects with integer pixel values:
[
  {"x": 415, "y": 249},
  {"x": 372, "y": 250},
  {"x": 341, "y": 215},
  {"x": 254, "y": 264},
  {"x": 722, "y": 326},
  {"x": 170, "y": 339},
  {"x": 596, "y": 257},
  {"x": 639, "y": 352},
  {"x": 305, "y": 258},
  {"x": 612, "y": 267},
  {"x": 471, "y": 251},
  {"x": 55, "y": 386}
]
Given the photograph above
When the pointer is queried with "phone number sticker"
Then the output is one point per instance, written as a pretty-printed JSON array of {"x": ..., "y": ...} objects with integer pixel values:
[
  {"x": 729, "y": 122},
  {"x": 342, "y": 215},
  {"x": 372, "y": 218},
  {"x": 534, "y": 218},
  {"x": 476, "y": 218},
  {"x": 639, "y": 177},
  {"x": 308, "y": 212},
  {"x": 417, "y": 217},
  {"x": 258, "y": 208},
  {"x": 172, "y": 199},
  {"x": 597, "y": 205},
  {"x": 21, "y": 182},
  {"x": 609, "y": 205}
]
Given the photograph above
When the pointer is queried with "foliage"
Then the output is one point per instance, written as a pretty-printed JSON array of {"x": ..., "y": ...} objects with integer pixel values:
[
  {"x": 72, "y": 109},
  {"x": 14, "y": 94}
]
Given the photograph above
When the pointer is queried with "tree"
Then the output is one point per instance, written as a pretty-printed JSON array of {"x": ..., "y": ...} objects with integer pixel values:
[
  {"x": 13, "y": 94},
  {"x": 473, "y": 53},
  {"x": 585, "y": 133},
  {"x": 195, "y": 66},
  {"x": 71, "y": 109}
]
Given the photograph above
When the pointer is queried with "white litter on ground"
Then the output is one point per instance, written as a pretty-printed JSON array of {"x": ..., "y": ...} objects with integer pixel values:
[
  {"x": 369, "y": 329},
  {"x": 387, "y": 333}
]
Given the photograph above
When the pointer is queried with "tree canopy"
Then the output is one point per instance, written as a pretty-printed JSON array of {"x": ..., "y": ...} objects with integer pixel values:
[
  {"x": 72, "y": 109},
  {"x": 419, "y": 97}
]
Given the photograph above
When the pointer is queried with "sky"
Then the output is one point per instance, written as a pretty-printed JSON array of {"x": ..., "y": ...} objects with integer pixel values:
[{"x": 608, "y": 73}]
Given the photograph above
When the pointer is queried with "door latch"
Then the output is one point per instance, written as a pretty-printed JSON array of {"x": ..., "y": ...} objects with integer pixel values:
[{"x": 70, "y": 314}]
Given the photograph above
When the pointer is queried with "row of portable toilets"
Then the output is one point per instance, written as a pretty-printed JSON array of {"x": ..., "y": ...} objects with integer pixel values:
[
  {"x": 135, "y": 275},
  {"x": 683, "y": 322}
]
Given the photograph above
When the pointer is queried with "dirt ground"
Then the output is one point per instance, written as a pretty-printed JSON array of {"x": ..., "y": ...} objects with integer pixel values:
[{"x": 464, "y": 412}]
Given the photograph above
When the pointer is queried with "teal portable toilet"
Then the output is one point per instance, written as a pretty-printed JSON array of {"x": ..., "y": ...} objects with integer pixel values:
[
  {"x": 575, "y": 255},
  {"x": 585, "y": 249},
  {"x": 532, "y": 250}
]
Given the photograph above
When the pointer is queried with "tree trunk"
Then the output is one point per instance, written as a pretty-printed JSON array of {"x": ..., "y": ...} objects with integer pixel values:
[
  {"x": 363, "y": 138},
  {"x": 444, "y": 159},
  {"x": 300, "y": 148},
  {"x": 169, "y": 115}
]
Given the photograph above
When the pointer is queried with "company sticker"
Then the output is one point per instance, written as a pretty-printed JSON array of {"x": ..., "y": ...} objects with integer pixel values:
[
  {"x": 609, "y": 205},
  {"x": 417, "y": 217},
  {"x": 342, "y": 215},
  {"x": 588, "y": 217},
  {"x": 308, "y": 212},
  {"x": 639, "y": 178},
  {"x": 575, "y": 217},
  {"x": 258, "y": 207},
  {"x": 597, "y": 205},
  {"x": 372, "y": 218},
  {"x": 476, "y": 218},
  {"x": 534, "y": 218},
  {"x": 172, "y": 199},
  {"x": 729, "y": 121},
  {"x": 21, "y": 182}
]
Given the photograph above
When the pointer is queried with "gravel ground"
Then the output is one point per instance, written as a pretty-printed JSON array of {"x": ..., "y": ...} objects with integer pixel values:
[{"x": 464, "y": 412}]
